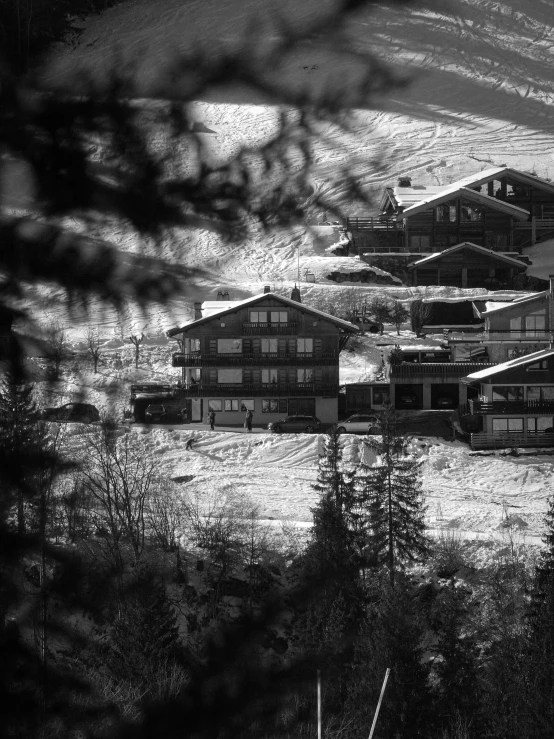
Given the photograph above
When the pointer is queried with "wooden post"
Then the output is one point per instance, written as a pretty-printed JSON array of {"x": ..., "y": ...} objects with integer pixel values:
[
  {"x": 319, "y": 704},
  {"x": 387, "y": 673}
]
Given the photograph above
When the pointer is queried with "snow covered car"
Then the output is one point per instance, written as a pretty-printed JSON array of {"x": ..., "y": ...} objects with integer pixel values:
[
  {"x": 295, "y": 425},
  {"x": 359, "y": 423},
  {"x": 71, "y": 413},
  {"x": 155, "y": 413}
]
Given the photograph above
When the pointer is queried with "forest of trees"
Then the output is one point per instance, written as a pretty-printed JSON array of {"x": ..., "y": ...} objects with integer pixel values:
[{"x": 133, "y": 605}]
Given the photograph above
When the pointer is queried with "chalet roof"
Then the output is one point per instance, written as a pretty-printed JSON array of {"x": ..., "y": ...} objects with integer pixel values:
[
  {"x": 452, "y": 191},
  {"x": 473, "y": 247},
  {"x": 486, "y": 175},
  {"x": 407, "y": 196},
  {"x": 511, "y": 364},
  {"x": 249, "y": 302},
  {"x": 505, "y": 306}
]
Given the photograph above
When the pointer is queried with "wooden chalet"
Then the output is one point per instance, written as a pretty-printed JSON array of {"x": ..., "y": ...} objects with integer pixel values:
[
  {"x": 269, "y": 354},
  {"x": 501, "y": 209},
  {"x": 515, "y": 402},
  {"x": 466, "y": 265}
]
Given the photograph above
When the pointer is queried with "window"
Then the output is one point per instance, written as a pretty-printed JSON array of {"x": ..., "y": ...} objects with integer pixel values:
[
  {"x": 270, "y": 406},
  {"x": 538, "y": 425},
  {"x": 258, "y": 316},
  {"x": 510, "y": 393},
  {"x": 195, "y": 376},
  {"x": 446, "y": 213},
  {"x": 247, "y": 405},
  {"x": 225, "y": 376},
  {"x": 279, "y": 316},
  {"x": 231, "y": 405},
  {"x": 215, "y": 405},
  {"x": 542, "y": 365},
  {"x": 470, "y": 212},
  {"x": 535, "y": 323},
  {"x": 540, "y": 392},
  {"x": 270, "y": 375},
  {"x": 381, "y": 397},
  {"x": 229, "y": 346},
  {"x": 419, "y": 241},
  {"x": 515, "y": 325},
  {"x": 507, "y": 425},
  {"x": 304, "y": 375},
  {"x": 305, "y": 346},
  {"x": 270, "y": 346}
]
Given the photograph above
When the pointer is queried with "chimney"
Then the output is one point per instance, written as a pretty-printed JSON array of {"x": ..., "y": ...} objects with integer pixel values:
[
  {"x": 405, "y": 182},
  {"x": 197, "y": 311},
  {"x": 295, "y": 294},
  {"x": 267, "y": 289}
]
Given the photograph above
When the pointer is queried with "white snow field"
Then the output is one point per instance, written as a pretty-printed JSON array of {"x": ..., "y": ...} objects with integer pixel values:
[{"x": 483, "y": 96}]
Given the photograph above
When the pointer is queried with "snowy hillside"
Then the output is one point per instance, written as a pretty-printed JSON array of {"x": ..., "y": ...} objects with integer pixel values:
[{"x": 482, "y": 96}]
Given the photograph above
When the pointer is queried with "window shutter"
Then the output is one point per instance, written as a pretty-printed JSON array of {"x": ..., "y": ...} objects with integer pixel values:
[
  {"x": 283, "y": 406},
  {"x": 282, "y": 346},
  {"x": 292, "y": 375},
  {"x": 292, "y": 346},
  {"x": 247, "y": 376},
  {"x": 255, "y": 376},
  {"x": 213, "y": 346},
  {"x": 318, "y": 376},
  {"x": 213, "y": 376},
  {"x": 256, "y": 346},
  {"x": 317, "y": 346},
  {"x": 282, "y": 376},
  {"x": 247, "y": 346}
]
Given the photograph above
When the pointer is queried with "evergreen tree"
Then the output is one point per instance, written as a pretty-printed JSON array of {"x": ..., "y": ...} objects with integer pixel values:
[
  {"x": 144, "y": 638},
  {"x": 390, "y": 498}
]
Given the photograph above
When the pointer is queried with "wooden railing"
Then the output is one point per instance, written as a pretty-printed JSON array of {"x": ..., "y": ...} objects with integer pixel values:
[
  {"x": 255, "y": 329},
  {"x": 511, "y": 407},
  {"x": 373, "y": 224},
  {"x": 491, "y": 335},
  {"x": 159, "y": 391},
  {"x": 511, "y": 440},
  {"x": 264, "y": 359},
  {"x": 437, "y": 369},
  {"x": 269, "y": 390}
]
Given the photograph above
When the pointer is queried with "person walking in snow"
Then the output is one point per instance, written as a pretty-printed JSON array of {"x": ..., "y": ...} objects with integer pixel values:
[
  {"x": 211, "y": 419},
  {"x": 248, "y": 421},
  {"x": 188, "y": 446}
]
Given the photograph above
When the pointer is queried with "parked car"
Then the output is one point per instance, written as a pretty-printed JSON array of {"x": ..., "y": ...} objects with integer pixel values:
[
  {"x": 407, "y": 400},
  {"x": 295, "y": 425},
  {"x": 71, "y": 413},
  {"x": 155, "y": 413},
  {"x": 446, "y": 401},
  {"x": 359, "y": 423}
]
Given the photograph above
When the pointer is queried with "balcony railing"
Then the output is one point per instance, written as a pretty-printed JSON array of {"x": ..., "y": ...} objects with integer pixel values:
[
  {"x": 261, "y": 329},
  {"x": 269, "y": 390},
  {"x": 437, "y": 369},
  {"x": 264, "y": 359},
  {"x": 511, "y": 440},
  {"x": 481, "y": 335},
  {"x": 374, "y": 224},
  {"x": 511, "y": 407}
]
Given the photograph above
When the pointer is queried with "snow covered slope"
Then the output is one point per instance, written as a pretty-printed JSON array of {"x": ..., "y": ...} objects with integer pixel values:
[{"x": 482, "y": 96}]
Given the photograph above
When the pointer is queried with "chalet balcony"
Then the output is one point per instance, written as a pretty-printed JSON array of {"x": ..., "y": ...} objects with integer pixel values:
[
  {"x": 268, "y": 329},
  {"x": 511, "y": 440},
  {"x": 374, "y": 224},
  {"x": 409, "y": 370},
  {"x": 268, "y": 390},
  {"x": 534, "y": 336},
  {"x": 266, "y": 359},
  {"x": 511, "y": 407}
]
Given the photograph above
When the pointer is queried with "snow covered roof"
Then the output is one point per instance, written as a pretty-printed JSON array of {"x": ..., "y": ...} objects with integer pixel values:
[
  {"x": 406, "y": 196},
  {"x": 511, "y": 364},
  {"x": 497, "y": 307},
  {"x": 486, "y": 175},
  {"x": 473, "y": 247},
  {"x": 345, "y": 325},
  {"x": 448, "y": 193}
]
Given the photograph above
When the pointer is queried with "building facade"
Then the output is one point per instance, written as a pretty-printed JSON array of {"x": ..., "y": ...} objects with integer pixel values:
[
  {"x": 268, "y": 354},
  {"x": 515, "y": 401}
]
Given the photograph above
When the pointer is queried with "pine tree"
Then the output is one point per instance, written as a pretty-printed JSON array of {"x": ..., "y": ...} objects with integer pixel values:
[
  {"x": 390, "y": 496},
  {"x": 145, "y": 636}
]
